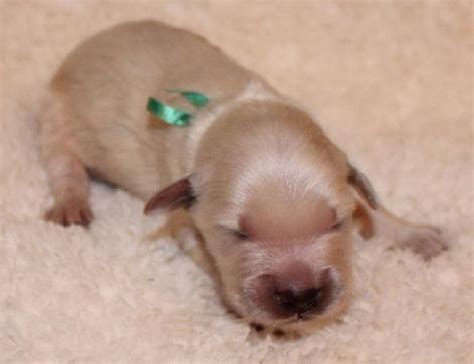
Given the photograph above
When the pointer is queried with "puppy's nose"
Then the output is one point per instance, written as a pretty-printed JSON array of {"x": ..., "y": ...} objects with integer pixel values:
[
  {"x": 298, "y": 301},
  {"x": 297, "y": 291}
]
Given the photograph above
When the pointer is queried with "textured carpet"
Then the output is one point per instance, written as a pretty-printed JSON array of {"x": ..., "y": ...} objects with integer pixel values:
[{"x": 391, "y": 83}]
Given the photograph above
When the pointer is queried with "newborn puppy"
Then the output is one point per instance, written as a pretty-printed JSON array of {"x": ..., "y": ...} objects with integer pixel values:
[{"x": 274, "y": 199}]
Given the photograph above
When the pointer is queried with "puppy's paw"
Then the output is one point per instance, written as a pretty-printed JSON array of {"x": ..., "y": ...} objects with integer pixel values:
[
  {"x": 70, "y": 212},
  {"x": 426, "y": 241},
  {"x": 257, "y": 327},
  {"x": 263, "y": 331}
]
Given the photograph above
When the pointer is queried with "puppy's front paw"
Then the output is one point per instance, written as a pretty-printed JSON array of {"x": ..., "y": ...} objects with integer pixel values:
[
  {"x": 70, "y": 212},
  {"x": 426, "y": 241}
]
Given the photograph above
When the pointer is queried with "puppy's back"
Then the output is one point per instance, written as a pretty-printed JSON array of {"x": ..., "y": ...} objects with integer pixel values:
[{"x": 100, "y": 93}]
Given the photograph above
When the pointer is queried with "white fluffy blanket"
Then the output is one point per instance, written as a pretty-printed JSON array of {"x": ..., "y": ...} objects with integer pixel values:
[{"x": 391, "y": 83}]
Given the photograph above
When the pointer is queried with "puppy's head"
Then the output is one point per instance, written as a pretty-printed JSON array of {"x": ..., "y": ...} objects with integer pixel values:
[{"x": 276, "y": 215}]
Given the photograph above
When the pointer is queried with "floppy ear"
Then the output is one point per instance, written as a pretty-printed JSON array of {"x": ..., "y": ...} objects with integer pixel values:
[
  {"x": 179, "y": 194},
  {"x": 361, "y": 184}
]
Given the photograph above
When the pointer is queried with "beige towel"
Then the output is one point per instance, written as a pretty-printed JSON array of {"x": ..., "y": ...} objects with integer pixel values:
[{"x": 391, "y": 82}]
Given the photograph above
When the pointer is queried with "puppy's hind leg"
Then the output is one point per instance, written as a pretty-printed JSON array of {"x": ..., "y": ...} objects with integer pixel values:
[{"x": 68, "y": 178}]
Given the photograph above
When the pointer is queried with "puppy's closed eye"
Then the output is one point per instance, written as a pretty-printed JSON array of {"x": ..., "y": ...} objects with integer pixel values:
[
  {"x": 337, "y": 226},
  {"x": 240, "y": 235},
  {"x": 237, "y": 234}
]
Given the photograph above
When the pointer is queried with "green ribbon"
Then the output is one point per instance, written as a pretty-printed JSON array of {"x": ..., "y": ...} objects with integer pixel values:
[
  {"x": 172, "y": 115},
  {"x": 168, "y": 114},
  {"x": 196, "y": 98}
]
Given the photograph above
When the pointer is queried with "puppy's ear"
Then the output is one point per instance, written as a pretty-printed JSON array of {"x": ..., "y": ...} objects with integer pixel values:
[
  {"x": 361, "y": 184},
  {"x": 179, "y": 194}
]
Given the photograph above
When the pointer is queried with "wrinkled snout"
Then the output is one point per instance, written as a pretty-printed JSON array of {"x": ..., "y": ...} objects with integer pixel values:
[{"x": 296, "y": 291}]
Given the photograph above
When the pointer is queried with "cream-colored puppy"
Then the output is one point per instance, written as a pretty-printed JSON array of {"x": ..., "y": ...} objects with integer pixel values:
[{"x": 274, "y": 199}]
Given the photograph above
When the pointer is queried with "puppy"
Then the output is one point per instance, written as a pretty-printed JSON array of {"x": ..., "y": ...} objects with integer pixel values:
[{"x": 273, "y": 198}]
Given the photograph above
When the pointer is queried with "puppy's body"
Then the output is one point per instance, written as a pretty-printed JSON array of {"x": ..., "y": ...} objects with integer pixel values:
[
  {"x": 266, "y": 188},
  {"x": 100, "y": 92}
]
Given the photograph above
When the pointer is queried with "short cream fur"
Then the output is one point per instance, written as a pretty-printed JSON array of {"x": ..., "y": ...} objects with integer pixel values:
[{"x": 398, "y": 76}]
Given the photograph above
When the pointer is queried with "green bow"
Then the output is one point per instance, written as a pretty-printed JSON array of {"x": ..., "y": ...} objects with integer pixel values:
[{"x": 172, "y": 115}]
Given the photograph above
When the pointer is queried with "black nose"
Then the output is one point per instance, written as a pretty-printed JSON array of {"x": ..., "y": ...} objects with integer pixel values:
[{"x": 298, "y": 301}]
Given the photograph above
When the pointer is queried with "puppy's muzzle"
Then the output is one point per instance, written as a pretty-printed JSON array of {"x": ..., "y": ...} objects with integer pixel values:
[{"x": 297, "y": 291}]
